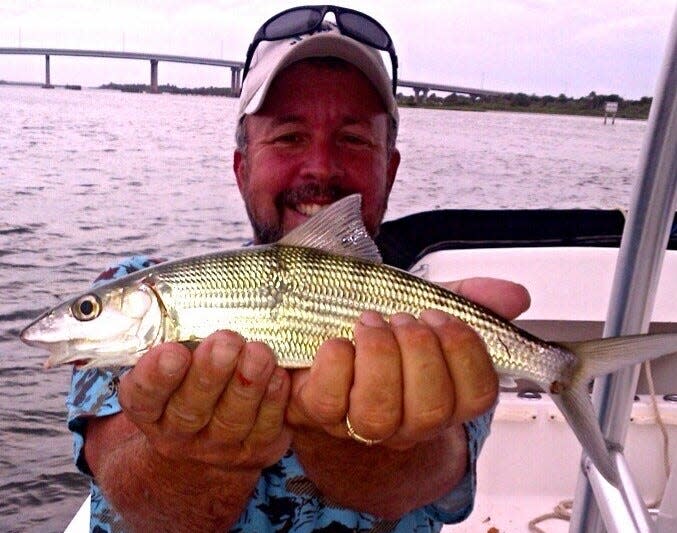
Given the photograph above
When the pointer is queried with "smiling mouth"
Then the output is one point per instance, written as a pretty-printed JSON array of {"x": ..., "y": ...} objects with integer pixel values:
[
  {"x": 311, "y": 197},
  {"x": 308, "y": 209}
]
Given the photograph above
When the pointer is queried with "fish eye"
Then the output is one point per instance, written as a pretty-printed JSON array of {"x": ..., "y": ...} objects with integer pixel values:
[{"x": 87, "y": 307}]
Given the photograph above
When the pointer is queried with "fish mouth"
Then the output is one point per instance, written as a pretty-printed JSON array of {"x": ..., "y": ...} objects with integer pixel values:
[
  {"x": 78, "y": 364},
  {"x": 60, "y": 351},
  {"x": 62, "y": 355},
  {"x": 31, "y": 334},
  {"x": 34, "y": 335}
]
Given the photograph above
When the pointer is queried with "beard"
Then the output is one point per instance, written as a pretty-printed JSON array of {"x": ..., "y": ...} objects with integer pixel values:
[{"x": 271, "y": 231}]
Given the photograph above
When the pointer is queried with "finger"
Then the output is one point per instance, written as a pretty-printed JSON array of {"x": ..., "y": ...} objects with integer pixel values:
[
  {"x": 375, "y": 408},
  {"x": 320, "y": 395},
  {"x": 428, "y": 402},
  {"x": 472, "y": 372},
  {"x": 146, "y": 388},
  {"x": 269, "y": 424},
  {"x": 214, "y": 361},
  {"x": 236, "y": 410},
  {"x": 506, "y": 298}
]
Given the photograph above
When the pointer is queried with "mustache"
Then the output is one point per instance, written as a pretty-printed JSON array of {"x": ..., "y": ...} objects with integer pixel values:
[
  {"x": 312, "y": 191},
  {"x": 268, "y": 231}
]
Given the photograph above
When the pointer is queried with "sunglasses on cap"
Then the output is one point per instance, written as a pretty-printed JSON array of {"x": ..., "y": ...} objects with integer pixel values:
[{"x": 307, "y": 19}]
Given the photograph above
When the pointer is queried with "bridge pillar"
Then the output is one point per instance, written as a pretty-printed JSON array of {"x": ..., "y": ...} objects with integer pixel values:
[
  {"x": 417, "y": 94},
  {"x": 153, "y": 76},
  {"x": 235, "y": 80},
  {"x": 48, "y": 84}
]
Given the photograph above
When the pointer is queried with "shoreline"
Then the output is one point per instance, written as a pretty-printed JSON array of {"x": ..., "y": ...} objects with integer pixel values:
[{"x": 591, "y": 105}]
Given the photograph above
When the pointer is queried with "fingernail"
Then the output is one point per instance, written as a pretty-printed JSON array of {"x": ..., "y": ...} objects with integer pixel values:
[
  {"x": 402, "y": 319},
  {"x": 275, "y": 383},
  {"x": 223, "y": 354},
  {"x": 434, "y": 317},
  {"x": 372, "y": 319},
  {"x": 171, "y": 362},
  {"x": 252, "y": 366}
]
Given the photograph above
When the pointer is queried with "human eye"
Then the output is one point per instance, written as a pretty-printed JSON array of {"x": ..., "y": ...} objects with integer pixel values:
[
  {"x": 356, "y": 139},
  {"x": 289, "y": 138}
]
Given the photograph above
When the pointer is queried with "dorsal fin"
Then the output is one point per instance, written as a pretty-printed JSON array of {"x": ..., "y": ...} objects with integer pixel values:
[{"x": 337, "y": 229}]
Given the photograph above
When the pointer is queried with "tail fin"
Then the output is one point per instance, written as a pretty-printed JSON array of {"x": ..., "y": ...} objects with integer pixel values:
[
  {"x": 596, "y": 358},
  {"x": 577, "y": 408},
  {"x": 602, "y": 356}
]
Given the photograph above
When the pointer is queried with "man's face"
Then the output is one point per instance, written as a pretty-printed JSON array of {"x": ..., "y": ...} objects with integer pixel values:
[{"x": 320, "y": 136}]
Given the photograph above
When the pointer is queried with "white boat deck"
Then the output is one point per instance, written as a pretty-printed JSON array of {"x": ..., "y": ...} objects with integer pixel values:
[{"x": 530, "y": 463}]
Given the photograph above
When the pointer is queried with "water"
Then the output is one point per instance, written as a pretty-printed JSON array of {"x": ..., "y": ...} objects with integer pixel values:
[{"x": 92, "y": 176}]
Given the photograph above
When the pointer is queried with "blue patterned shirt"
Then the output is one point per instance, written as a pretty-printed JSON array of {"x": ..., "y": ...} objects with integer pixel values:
[{"x": 284, "y": 499}]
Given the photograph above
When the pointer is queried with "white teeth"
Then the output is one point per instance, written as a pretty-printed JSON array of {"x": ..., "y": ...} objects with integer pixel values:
[{"x": 308, "y": 209}]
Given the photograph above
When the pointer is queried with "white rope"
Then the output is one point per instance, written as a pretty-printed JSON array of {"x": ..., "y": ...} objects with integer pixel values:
[
  {"x": 562, "y": 511},
  {"x": 659, "y": 418}
]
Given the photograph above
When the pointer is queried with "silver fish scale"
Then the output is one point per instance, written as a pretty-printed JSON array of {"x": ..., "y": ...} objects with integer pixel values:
[
  {"x": 238, "y": 284},
  {"x": 294, "y": 298},
  {"x": 332, "y": 291}
]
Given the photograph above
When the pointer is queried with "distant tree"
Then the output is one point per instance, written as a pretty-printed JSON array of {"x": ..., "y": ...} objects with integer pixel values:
[
  {"x": 521, "y": 100},
  {"x": 451, "y": 98},
  {"x": 595, "y": 101}
]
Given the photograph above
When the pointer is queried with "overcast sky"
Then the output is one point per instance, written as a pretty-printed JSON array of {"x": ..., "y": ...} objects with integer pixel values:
[{"x": 532, "y": 46}]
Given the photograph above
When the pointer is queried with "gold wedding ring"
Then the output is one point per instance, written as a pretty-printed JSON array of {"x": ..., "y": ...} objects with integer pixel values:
[{"x": 359, "y": 438}]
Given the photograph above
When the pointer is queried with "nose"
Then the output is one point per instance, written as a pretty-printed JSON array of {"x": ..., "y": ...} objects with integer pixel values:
[{"x": 322, "y": 161}]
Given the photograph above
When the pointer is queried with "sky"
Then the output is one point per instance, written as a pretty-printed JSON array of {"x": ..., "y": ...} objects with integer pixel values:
[{"x": 532, "y": 46}]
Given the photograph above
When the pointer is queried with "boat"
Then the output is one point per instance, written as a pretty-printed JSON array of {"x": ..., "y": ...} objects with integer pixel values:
[{"x": 589, "y": 274}]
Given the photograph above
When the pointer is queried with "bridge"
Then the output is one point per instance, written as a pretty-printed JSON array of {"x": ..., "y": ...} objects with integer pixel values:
[
  {"x": 235, "y": 66},
  {"x": 420, "y": 88}
]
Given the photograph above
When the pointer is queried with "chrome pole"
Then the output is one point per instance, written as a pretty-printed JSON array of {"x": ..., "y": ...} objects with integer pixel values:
[
  {"x": 643, "y": 245},
  {"x": 667, "y": 514}
]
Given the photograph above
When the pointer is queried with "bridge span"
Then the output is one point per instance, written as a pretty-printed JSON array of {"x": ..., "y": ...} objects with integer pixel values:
[
  {"x": 421, "y": 88},
  {"x": 235, "y": 66}
]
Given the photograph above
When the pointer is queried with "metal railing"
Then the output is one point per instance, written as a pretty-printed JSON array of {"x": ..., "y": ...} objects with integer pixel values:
[{"x": 633, "y": 293}]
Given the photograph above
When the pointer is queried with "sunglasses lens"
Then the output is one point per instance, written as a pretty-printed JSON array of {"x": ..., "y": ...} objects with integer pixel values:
[
  {"x": 365, "y": 30},
  {"x": 308, "y": 19},
  {"x": 293, "y": 23}
]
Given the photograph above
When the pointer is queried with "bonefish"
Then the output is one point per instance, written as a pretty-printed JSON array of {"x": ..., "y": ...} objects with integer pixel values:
[{"x": 310, "y": 286}]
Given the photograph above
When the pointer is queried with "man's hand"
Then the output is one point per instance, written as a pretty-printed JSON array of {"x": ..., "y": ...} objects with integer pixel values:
[
  {"x": 222, "y": 405},
  {"x": 407, "y": 380},
  {"x": 410, "y": 383},
  {"x": 195, "y": 431}
]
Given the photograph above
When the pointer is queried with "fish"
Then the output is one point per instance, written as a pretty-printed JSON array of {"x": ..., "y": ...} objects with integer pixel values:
[{"x": 310, "y": 286}]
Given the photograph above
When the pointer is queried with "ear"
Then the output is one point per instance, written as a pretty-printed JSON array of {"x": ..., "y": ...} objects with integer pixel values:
[
  {"x": 393, "y": 165},
  {"x": 239, "y": 168}
]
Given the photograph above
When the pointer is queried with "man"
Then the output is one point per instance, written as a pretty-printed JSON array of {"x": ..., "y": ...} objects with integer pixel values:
[{"x": 379, "y": 435}]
